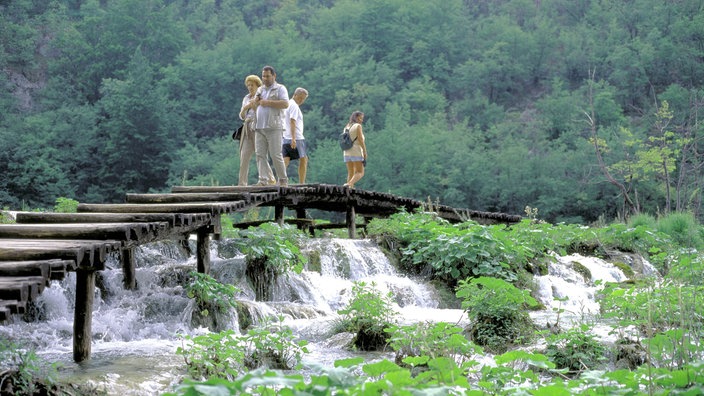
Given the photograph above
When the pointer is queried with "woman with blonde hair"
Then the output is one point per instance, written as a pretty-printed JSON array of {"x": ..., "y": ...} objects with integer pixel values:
[
  {"x": 248, "y": 113},
  {"x": 356, "y": 156}
]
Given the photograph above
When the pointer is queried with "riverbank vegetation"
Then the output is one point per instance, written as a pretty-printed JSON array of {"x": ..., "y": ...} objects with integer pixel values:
[{"x": 657, "y": 319}]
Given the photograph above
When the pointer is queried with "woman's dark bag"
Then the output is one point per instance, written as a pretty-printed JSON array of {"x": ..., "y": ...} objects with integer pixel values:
[{"x": 237, "y": 134}]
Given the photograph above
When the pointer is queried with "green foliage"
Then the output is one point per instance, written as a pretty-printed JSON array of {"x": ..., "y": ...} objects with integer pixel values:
[
  {"x": 226, "y": 355},
  {"x": 65, "y": 205},
  {"x": 6, "y": 218},
  {"x": 576, "y": 350},
  {"x": 450, "y": 252},
  {"x": 271, "y": 344},
  {"x": 277, "y": 247},
  {"x": 418, "y": 343},
  {"x": 271, "y": 251},
  {"x": 213, "y": 355},
  {"x": 497, "y": 312},
  {"x": 24, "y": 373},
  {"x": 367, "y": 314},
  {"x": 683, "y": 228},
  {"x": 211, "y": 294},
  {"x": 642, "y": 219},
  {"x": 667, "y": 313}
]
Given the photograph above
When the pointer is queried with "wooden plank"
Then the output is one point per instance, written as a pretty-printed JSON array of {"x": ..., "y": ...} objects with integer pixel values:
[
  {"x": 25, "y": 268},
  {"x": 86, "y": 253},
  {"x": 202, "y": 207},
  {"x": 34, "y": 284},
  {"x": 13, "y": 291},
  {"x": 297, "y": 222},
  {"x": 94, "y": 231},
  {"x": 223, "y": 189},
  {"x": 53, "y": 218},
  {"x": 14, "y": 306},
  {"x": 173, "y": 219},
  {"x": 187, "y": 197},
  {"x": 5, "y": 314},
  {"x": 59, "y": 268}
]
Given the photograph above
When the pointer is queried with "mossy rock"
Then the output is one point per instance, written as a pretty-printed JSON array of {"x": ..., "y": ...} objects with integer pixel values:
[
  {"x": 582, "y": 270},
  {"x": 314, "y": 263},
  {"x": 625, "y": 268},
  {"x": 244, "y": 317}
]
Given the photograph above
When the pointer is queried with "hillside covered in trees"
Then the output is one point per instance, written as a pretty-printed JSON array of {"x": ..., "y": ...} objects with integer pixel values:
[{"x": 582, "y": 109}]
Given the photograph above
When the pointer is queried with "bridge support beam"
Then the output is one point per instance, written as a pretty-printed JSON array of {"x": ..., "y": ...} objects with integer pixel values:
[
  {"x": 350, "y": 220},
  {"x": 203, "y": 250},
  {"x": 279, "y": 214},
  {"x": 128, "y": 269},
  {"x": 83, "y": 314}
]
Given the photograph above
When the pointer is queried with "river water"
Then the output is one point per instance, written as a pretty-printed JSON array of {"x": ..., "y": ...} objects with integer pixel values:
[{"x": 136, "y": 333}]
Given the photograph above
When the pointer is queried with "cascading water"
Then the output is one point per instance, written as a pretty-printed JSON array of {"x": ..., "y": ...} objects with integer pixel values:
[{"x": 136, "y": 333}]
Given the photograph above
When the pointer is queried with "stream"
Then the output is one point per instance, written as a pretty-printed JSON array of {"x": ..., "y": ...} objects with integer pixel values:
[{"x": 136, "y": 333}]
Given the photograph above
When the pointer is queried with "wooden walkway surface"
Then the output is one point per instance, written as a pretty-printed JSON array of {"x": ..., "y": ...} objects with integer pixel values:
[{"x": 42, "y": 247}]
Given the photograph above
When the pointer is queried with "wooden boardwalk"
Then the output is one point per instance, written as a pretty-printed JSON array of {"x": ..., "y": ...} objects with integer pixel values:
[{"x": 42, "y": 247}]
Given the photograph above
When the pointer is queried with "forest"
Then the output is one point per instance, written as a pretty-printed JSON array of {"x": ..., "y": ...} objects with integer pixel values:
[{"x": 586, "y": 110}]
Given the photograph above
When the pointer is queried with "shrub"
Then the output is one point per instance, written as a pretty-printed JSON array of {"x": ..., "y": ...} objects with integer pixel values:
[
  {"x": 683, "y": 228},
  {"x": 226, "y": 354},
  {"x": 575, "y": 350},
  {"x": 497, "y": 311},
  {"x": 430, "y": 340},
  {"x": 642, "y": 219},
  {"x": 271, "y": 250},
  {"x": 213, "y": 355},
  {"x": 367, "y": 315},
  {"x": 272, "y": 345},
  {"x": 211, "y": 297},
  {"x": 66, "y": 205}
]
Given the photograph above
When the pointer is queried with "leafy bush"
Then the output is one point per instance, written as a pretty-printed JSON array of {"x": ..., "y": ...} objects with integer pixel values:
[
  {"x": 212, "y": 298},
  {"x": 271, "y": 250},
  {"x": 575, "y": 350},
  {"x": 226, "y": 354},
  {"x": 428, "y": 245},
  {"x": 429, "y": 341},
  {"x": 367, "y": 315},
  {"x": 668, "y": 314},
  {"x": 272, "y": 345},
  {"x": 683, "y": 228},
  {"x": 497, "y": 311},
  {"x": 642, "y": 219},
  {"x": 66, "y": 205},
  {"x": 213, "y": 355},
  {"x": 22, "y": 372},
  {"x": 449, "y": 253}
]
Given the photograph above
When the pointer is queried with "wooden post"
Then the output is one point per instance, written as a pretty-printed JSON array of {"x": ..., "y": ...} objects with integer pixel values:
[
  {"x": 279, "y": 214},
  {"x": 350, "y": 220},
  {"x": 128, "y": 269},
  {"x": 216, "y": 225},
  {"x": 203, "y": 250},
  {"x": 83, "y": 314},
  {"x": 301, "y": 214}
]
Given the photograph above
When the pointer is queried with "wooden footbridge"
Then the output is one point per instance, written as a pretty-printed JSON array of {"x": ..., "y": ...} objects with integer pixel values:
[{"x": 41, "y": 247}]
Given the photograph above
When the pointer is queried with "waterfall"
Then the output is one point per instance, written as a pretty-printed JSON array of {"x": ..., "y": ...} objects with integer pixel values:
[{"x": 136, "y": 332}]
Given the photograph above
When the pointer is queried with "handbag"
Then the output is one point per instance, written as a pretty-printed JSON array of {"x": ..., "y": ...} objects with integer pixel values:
[{"x": 237, "y": 133}]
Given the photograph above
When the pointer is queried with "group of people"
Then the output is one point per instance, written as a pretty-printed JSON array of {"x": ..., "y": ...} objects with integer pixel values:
[{"x": 273, "y": 128}]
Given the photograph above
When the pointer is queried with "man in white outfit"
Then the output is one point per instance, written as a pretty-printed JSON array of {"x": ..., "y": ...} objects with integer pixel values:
[
  {"x": 294, "y": 144},
  {"x": 271, "y": 100}
]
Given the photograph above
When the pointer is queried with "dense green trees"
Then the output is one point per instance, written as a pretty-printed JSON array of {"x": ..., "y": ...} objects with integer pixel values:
[{"x": 581, "y": 109}]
